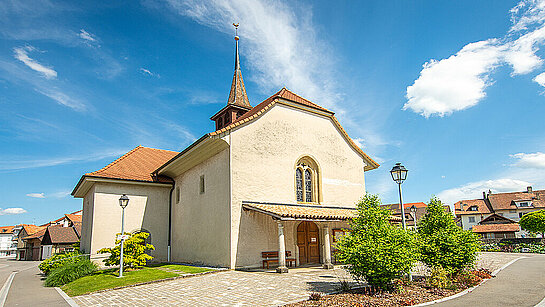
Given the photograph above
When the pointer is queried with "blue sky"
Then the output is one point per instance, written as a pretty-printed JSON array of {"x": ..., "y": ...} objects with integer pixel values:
[{"x": 453, "y": 90}]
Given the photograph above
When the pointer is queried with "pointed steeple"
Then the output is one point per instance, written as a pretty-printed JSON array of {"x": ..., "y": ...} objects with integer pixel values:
[{"x": 237, "y": 95}]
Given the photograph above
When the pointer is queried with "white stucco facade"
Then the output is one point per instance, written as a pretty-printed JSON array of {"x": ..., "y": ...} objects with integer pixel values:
[{"x": 255, "y": 161}]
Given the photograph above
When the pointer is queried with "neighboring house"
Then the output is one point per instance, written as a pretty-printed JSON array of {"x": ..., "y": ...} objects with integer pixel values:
[
  {"x": 60, "y": 239},
  {"x": 283, "y": 175},
  {"x": 496, "y": 227},
  {"x": 25, "y": 249},
  {"x": 7, "y": 246},
  {"x": 69, "y": 220},
  {"x": 511, "y": 205},
  {"x": 409, "y": 217}
]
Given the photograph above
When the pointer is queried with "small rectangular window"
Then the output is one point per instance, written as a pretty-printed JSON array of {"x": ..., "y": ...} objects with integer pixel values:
[
  {"x": 512, "y": 211},
  {"x": 201, "y": 185},
  {"x": 471, "y": 219},
  {"x": 177, "y": 195}
]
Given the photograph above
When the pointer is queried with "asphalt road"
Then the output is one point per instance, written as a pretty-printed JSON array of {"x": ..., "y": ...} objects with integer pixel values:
[
  {"x": 27, "y": 285},
  {"x": 520, "y": 284}
]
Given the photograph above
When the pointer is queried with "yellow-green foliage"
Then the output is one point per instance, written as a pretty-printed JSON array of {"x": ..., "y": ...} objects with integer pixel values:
[
  {"x": 534, "y": 222},
  {"x": 376, "y": 250},
  {"x": 134, "y": 251},
  {"x": 442, "y": 243}
]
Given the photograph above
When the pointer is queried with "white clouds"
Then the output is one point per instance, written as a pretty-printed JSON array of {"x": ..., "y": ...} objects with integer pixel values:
[
  {"x": 86, "y": 36},
  {"x": 12, "y": 211},
  {"x": 279, "y": 41},
  {"x": 21, "y": 54},
  {"x": 148, "y": 72},
  {"x": 36, "y": 195},
  {"x": 63, "y": 99},
  {"x": 460, "y": 81},
  {"x": 530, "y": 160},
  {"x": 540, "y": 79},
  {"x": 7, "y": 164},
  {"x": 455, "y": 83},
  {"x": 475, "y": 190}
]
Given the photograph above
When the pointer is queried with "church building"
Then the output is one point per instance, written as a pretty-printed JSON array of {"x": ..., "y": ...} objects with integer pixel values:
[{"x": 282, "y": 176}]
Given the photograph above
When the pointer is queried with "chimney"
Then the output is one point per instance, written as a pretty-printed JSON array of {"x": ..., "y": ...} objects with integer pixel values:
[
  {"x": 461, "y": 206},
  {"x": 484, "y": 195},
  {"x": 529, "y": 189},
  {"x": 489, "y": 192}
]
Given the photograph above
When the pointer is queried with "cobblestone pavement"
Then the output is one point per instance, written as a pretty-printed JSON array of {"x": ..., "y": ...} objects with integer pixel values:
[{"x": 238, "y": 288}]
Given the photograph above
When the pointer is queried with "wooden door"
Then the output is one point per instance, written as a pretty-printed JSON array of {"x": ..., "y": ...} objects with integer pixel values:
[{"x": 308, "y": 241}]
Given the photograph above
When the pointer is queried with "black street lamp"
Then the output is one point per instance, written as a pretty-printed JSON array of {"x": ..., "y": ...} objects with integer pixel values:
[
  {"x": 413, "y": 211},
  {"x": 123, "y": 203},
  {"x": 399, "y": 174}
]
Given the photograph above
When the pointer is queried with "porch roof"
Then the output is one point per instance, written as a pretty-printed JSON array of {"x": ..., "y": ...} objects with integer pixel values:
[{"x": 304, "y": 212}]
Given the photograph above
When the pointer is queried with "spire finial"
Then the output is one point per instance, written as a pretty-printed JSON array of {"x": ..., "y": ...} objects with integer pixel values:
[{"x": 237, "y": 61}]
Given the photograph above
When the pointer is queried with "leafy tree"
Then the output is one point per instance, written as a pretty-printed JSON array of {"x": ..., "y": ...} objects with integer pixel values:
[
  {"x": 442, "y": 243},
  {"x": 376, "y": 250},
  {"x": 134, "y": 251},
  {"x": 534, "y": 222}
]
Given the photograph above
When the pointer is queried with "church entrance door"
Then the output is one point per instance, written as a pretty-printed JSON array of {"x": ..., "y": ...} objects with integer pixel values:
[{"x": 308, "y": 242}]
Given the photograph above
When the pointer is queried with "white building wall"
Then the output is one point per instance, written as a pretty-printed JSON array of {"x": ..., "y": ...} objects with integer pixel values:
[{"x": 263, "y": 160}]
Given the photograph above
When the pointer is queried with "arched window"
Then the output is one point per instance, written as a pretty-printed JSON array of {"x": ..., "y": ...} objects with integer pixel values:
[
  {"x": 308, "y": 185},
  {"x": 307, "y": 181},
  {"x": 299, "y": 184}
]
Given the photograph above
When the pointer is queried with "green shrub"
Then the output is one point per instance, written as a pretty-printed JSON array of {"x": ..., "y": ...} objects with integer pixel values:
[
  {"x": 70, "y": 272},
  {"x": 134, "y": 251},
  {"x": 376, "y": 250},
  {"x": 534, "y": 222},
  {"x": 438, "y": 279},
  {"x": 442, "y": 243},
  {"x": 57, "y": 261}
]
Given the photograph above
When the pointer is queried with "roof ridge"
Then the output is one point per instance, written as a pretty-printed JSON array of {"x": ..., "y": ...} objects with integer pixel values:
[
  {"x": 156, "y": 149},
  {"x": 117, "y": 160}
]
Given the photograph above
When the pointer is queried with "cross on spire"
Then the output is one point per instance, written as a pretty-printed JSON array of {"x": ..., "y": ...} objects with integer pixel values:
[{"x": 237, "y": 95}]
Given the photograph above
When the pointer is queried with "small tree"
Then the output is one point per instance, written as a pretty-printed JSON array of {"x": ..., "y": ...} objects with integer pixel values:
[
  {"x": 442, "y": 243},
  {"x": 134, "y": 251},
  {"x": 534, "y": 222},
  {"x": 376, "y": 250}
]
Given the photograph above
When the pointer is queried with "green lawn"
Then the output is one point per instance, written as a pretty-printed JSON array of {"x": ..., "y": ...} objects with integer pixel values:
[{"x": 108, "y": 279}]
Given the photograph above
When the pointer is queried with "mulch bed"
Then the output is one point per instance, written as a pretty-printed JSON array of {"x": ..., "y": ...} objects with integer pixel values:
[{"x": 412, "y": 294}]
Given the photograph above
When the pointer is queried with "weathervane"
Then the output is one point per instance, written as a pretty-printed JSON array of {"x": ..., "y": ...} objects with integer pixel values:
[{"x": 236, "y": 31}]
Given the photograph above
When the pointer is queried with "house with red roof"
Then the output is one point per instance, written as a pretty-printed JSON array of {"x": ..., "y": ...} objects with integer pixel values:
[
  {"x": 7, "y": 246},
  {"x": 278, "y": 177},
  {"x": 475, "y": 213}
]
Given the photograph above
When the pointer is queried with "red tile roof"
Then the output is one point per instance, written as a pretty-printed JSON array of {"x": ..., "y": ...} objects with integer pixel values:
[
  {"x": 137, "y": 164},
  {"x": 482, "y": 207},
  {"x": 31, "y": 229},
  {"x": 62, "y": 235},
  {"x": 503, "y": 201},
  {"x": 512, "y": 227},
  {"x": 75, "y": 218},
  {"x": 6, "y": 229},
  {"x": 37, "y": 235},
  {"x": 290, "y": 96}
]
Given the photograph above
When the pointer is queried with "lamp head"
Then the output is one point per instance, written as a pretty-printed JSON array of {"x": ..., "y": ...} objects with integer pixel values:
[
  {"x": 399, "y": 173},
  {"x": 123, "y": 201}
]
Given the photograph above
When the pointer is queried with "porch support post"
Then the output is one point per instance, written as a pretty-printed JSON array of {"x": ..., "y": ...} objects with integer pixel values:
[
  {"x": 327, "y": 249},
  {"x": 281, "y": 249}
]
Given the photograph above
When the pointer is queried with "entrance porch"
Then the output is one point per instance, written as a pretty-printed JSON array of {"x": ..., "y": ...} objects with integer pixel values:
[{"x": 298, "y": 235}]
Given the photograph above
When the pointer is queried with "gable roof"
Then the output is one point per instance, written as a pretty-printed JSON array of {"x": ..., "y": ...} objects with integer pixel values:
[
  {"x": 74, "y": 218},
  {"x": 482, "y": 207},
  {"x": 496, "y": 228},
  {"x": 503, "y": 201},
  {"x": 137, "y": 164},
  {"x": 496, "y": 219},
  {"x": 287, "y": 95},
  {"x": 6, "y": 229},
  {"x": 58, "y": 234},
  {"x": 38, "y": 234},
  {"x": 31, "y": 229}
]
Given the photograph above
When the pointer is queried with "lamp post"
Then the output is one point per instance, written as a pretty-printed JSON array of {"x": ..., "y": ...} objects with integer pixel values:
[
  {"x": 123, "y": 202},
  {"x": 399, "y": 174},
  {"x": 413, "y": 211}
]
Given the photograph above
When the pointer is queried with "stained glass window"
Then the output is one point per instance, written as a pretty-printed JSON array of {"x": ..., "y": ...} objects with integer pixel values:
[
  {"x": 308, "y": 185},
  {"x": 299, "y": 184}
]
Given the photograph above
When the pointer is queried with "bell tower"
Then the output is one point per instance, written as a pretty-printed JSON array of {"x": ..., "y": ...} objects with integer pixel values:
[{"x": 238, "y": 102}]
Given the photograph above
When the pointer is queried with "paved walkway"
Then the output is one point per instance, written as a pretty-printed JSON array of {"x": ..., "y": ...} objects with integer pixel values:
[
  {"x": 27, "y": 286},
  {"x": 229, "y": 288},
  {"x": 236, "y": 288},
  {"x": 520, "y": 284}
]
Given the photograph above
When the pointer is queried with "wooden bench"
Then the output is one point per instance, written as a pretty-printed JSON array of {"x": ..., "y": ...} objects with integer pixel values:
[{"x": 273, "y": 257}]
